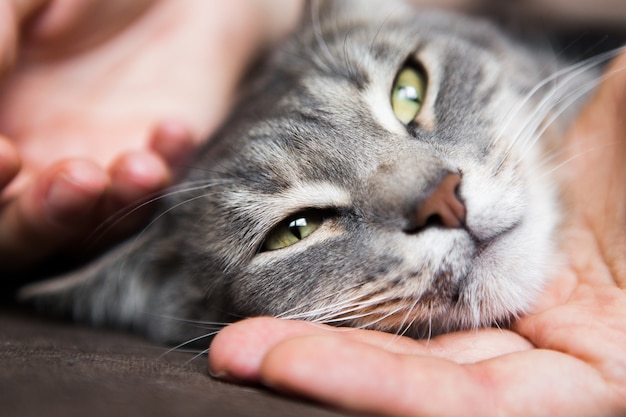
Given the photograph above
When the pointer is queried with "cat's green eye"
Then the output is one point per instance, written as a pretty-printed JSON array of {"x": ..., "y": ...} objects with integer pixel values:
[
  {"x": 407, "y": 95},
  {"x": 293, "y": 230}
]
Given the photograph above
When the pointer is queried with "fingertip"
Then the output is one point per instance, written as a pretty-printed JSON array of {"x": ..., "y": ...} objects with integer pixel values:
[
  {"x": 49, "y": 211},
  {"x": 173, "y": 141},
  {"x": 136, "y": 175},
  {"x": 237, "y": 350},
  {"x": 71, "y": 189}
]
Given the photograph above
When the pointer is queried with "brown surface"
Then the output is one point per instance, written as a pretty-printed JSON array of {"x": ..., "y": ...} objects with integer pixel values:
[{"x": 50, "y": 368}]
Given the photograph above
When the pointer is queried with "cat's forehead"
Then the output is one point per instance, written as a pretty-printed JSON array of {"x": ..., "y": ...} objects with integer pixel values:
[
  {"x": 341, "y": 76},
  {"x": 325, "y": 114},
  {"x": 340, "y": 68}
]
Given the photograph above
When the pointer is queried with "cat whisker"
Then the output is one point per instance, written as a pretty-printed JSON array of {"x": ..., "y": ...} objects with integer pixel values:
[
  {"x": 498, "y": 326},
  {"x": 563, "y": 104},
  {"x": 285, "y": 314},
  {"x": 566, "y": 102},
  {"x": 340, "y": 316},
  {"x": 152, "y": 222},
  {"x": 336, "y": 313},
  {"x": 522, "y": 103},
  {"x": 328, "y": 59},
  {"x": 191, "y": 351},
  {"x": 351, "y": 68},
  {"x": 372, "y": 323},
  {"x": 199, "y": 355},
  {"x": 565, "y": 77},
  {"x": 564, "y": 163},
  {"x": 430, "y": 324},
  {"x": 373, "y": 42},
  {"x": 344, "y": 319},
  {"x": 124, "y": 213},
  {"x": 405, "y": 325},
  {"x": 570, "y": 72},
  {"x": 320, "y": 313},
  {"x": 532, "y": 123},
  {"x": 188, "y": 342},
  {"x": 195, "y": 323},
  {"x": 549, "y": 159},
  {"x": 334, "y": 310}
]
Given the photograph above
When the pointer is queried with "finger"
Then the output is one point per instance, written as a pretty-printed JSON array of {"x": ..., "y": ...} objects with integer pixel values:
[
  {"x": 135, "y": 177},
  {"x": 362, "y": 378},
  {"x": 173, "y": 142},
  {"x": 9, "y": 162},
  {"x": 51, "y": 211},
  {"x": 238, "y": 350}
]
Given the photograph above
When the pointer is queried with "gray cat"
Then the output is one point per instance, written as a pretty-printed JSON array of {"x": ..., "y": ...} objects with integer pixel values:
[{"x": 388, "y": 168}]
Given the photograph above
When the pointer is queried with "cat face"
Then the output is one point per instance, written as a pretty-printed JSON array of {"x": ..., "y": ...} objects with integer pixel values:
[
  {"x": 385, "y": 169},
  {"x": 331, "y": 153}
]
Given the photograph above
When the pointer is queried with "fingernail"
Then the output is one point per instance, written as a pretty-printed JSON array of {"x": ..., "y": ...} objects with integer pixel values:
[
  {"x": 136, "y": 176},
  {"x": 221, "y": 375},
  {"x": 146, "y": 169}
]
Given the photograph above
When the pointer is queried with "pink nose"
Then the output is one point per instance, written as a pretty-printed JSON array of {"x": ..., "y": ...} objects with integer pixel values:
[{"x": 442, "y": 207}]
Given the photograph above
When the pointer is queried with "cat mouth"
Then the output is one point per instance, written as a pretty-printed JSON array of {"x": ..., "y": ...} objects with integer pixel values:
[{"x": 484, "y": 240}]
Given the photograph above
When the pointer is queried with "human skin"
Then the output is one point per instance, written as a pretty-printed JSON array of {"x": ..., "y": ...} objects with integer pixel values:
[
  {"x": 101, "y": 101},
  {"x": 567, "y": 358}
]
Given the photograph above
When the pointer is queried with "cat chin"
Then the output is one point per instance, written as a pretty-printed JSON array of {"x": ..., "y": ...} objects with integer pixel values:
[{"x": 508, "y": 275}]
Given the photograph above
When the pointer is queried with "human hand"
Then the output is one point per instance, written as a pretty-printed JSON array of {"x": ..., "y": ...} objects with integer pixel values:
[
  {"x": 104, "y": 99},
  {"x": 566, "y": 359}
]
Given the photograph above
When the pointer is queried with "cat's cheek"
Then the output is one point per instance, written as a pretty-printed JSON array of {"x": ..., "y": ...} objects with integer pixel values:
[{"x": 507, "y": 277}]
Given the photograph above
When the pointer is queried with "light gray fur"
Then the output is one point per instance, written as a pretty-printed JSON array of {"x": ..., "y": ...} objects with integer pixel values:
[{"x": 315, "y": 129}]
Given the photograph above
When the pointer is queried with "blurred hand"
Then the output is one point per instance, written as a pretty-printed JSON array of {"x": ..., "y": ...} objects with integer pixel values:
[{"x": 101, "y": 102}]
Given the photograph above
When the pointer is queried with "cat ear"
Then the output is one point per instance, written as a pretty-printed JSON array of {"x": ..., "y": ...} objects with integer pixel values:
[{"x": 132, "y": 286}]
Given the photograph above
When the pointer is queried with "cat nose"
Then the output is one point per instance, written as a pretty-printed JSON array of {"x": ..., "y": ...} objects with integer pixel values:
[{"x": 443, "y": 206}]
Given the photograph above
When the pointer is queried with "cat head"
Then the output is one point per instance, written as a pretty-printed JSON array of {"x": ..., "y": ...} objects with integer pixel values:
[{"x": 384, "y": 169}]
